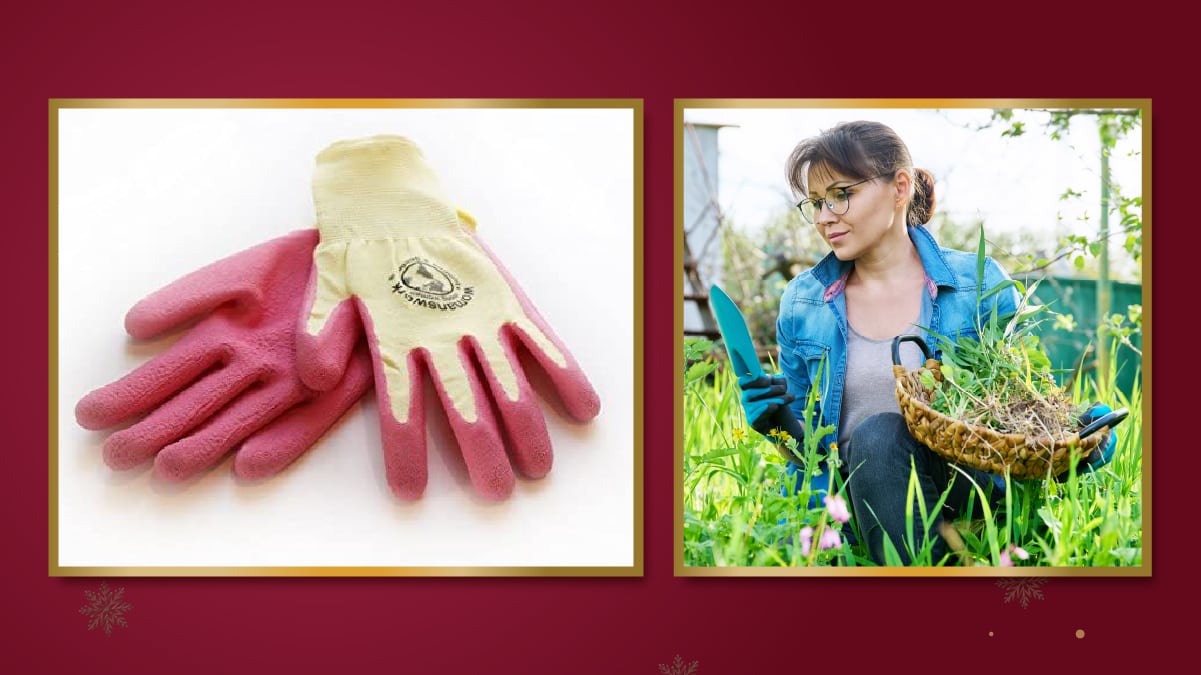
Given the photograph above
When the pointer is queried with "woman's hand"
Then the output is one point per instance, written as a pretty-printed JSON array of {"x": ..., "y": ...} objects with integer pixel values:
[{"x": 762, "y": 396}]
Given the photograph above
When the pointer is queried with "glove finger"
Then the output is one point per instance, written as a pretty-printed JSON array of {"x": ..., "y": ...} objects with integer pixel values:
[
  {"x": 275, "y": 446},
  {"x": 401, "y": 401},
  {"x": 760, "y": 413},
  {"x": 399, "y": 388},
  {"x": 169, "y": 422},
  {"x": 1095, "y": 411},
  {"x": 775, "y": 391},
  {"x": 568, "y": 379},
  {"x": 329, "y": 324},
  {"x": 239, "y": 278},
  {"x": 759, "y": 381},
  {"x": 148, "y": 385},
  {"x": 251, "y": 411},
  {"x": 402, "y": 422},
  {"x": 520, "y": 414},
  {"x": 470, "y": 415},
  {"x": 1102, "y": 454},
  {"x": 757, "y": 386}
]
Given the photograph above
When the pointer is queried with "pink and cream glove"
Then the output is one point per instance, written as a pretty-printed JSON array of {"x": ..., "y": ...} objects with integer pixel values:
[
  {"x": 395, "y": 261},
  {"x": 231, "y": 380}
]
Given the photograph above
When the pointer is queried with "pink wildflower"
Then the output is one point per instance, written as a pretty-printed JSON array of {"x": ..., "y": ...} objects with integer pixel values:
[
  {"x": 806, "y": 540},
  {"x": 831, "y": 539},
  {"x": 1013, "y": 550},
  {"x": 837, "y": 507}
]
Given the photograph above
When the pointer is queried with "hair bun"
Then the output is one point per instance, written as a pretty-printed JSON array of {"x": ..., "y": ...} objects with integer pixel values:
[{"x": 921, "y": 207}]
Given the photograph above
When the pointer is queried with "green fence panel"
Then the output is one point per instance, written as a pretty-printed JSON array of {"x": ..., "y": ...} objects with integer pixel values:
[{"x": 1078, "y": 297}]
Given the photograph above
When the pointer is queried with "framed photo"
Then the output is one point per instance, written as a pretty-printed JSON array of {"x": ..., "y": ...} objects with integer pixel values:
[
  {"x": 144, "y": 192},
  {"x": 799, "y": 221}
]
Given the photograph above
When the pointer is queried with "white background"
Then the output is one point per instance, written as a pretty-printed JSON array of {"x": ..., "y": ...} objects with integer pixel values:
[{"x": 147, "y": 195}]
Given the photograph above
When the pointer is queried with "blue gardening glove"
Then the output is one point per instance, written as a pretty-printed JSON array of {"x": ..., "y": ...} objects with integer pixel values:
[
  {"x": 762, "y": 396},
  {"x": 998, "y": 482},
  {"x": 1100, "y": 456}
]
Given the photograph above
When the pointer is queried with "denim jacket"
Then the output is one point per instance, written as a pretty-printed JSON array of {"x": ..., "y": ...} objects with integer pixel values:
[{"x": 813, "y": 318}]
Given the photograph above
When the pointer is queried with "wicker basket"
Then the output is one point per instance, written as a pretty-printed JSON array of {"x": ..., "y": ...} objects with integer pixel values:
[{"x": 977, "y": 446}]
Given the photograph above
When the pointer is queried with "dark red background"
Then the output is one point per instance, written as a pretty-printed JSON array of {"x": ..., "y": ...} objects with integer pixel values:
[{"x": 621, "y": 49}]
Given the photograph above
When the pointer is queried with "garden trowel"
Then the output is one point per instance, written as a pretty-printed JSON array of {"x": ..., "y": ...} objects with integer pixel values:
[{"x": 743, "y": 358}]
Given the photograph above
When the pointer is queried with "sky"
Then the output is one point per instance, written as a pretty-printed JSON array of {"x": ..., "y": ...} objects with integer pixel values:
[{"x": 1012, "y": 183}]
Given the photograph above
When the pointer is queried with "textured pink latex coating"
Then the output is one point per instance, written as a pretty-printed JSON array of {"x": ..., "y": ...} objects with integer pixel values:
[
  {"x": 521, "y": 426},
  {"x": 232, "y": 378},
  {"x": 571, "y": 385}
]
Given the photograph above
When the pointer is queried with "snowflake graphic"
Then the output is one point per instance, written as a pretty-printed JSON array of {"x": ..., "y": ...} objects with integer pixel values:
[
  {"x": 1023, "y": 590},
  {"x": 106, "y": 609},
  {"x": 678, "y": 668}
]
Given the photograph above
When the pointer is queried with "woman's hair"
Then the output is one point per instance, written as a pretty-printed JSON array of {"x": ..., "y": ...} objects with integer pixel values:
[{"x": 861, "y": 150}]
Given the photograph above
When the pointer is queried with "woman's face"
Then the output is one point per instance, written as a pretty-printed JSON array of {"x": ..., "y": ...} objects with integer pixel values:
[{"x": 870, "y": 216}]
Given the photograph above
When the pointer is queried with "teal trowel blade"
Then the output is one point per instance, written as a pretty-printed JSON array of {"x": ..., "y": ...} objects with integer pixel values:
[{"x": 733, "y": 329}]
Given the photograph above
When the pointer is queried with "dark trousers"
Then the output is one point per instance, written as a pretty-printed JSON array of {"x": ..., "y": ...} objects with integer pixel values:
[{"x": 878, "y": 463}]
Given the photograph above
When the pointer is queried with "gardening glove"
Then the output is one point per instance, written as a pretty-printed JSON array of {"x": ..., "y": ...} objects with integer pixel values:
[
  {"x": 395, "y": 261},
  {"x": 762, "y": 396},
  {"x": 1100, "y": 456},
  {"x": 231, "y": 379},
  {"x": 998, "y": 482}
]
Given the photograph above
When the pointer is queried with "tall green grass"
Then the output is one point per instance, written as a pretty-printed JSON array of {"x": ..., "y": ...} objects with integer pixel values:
[{"x": 740, "y": 508}]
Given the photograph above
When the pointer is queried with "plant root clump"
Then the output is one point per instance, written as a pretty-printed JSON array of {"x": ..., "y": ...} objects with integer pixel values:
[{"x": 1046, "y": 414}]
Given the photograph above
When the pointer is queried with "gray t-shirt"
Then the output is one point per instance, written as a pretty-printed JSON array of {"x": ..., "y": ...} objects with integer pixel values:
[{"x": 869, "y": 387}]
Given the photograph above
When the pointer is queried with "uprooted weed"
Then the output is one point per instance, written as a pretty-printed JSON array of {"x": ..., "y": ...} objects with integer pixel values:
[{"x": 1001, "y": 378}]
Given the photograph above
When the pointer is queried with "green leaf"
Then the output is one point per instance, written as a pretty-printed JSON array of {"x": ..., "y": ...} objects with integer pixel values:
[
  {"x": 718, "y": 454},
  {"x": 1049, "y": 518},
  {"x": 1065, "y": 322},
  {"x": 699, "y": 371},
  {"x": 1016, "y": 130},
  {"x": 697, "y": 348},
  {"x": 1000, "y": 287},
  {"x": 928, "y": 379},
  {"x": 949, "y": 371},
  {"x": 980, "y": 260},
  {"x": 1135, "y": 312},
  {"x": 1038, "y": 360}
]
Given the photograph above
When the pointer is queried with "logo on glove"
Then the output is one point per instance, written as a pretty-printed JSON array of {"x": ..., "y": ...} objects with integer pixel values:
[{"x": 426, "y": 284}]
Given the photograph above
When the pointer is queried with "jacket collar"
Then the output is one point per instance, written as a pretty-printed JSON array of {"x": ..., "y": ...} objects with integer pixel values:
[{"x": 832, "y": 273}]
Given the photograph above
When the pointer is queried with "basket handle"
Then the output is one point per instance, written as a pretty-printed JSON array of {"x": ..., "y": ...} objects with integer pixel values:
[
  {"x": 896, "y": 347},
  {"x": 1108, "y": 420}
]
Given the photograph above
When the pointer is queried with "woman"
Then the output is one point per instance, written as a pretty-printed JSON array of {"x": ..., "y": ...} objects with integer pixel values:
[{"x": 885, "y": 276}]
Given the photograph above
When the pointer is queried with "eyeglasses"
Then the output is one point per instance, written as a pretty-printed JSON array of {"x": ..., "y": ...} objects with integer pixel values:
[{"x": 838, "y": 200}]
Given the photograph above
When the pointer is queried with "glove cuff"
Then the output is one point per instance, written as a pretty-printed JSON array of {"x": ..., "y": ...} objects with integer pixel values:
[{"x": 378, "y": 188}]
